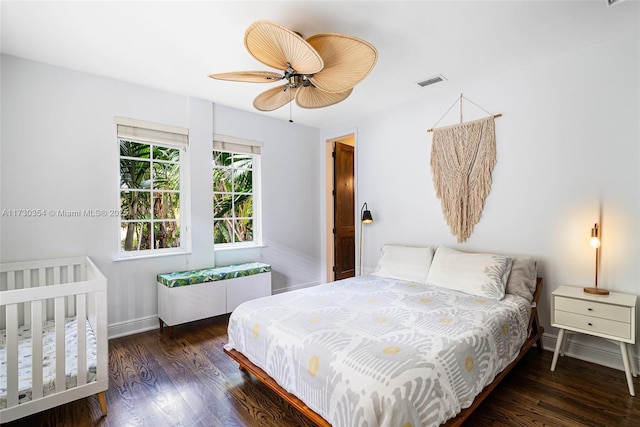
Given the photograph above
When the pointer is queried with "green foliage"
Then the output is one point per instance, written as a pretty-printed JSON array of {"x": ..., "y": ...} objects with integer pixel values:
[
  {"x": 149, "y": 196},
  {"x": 233, "y": 197}
]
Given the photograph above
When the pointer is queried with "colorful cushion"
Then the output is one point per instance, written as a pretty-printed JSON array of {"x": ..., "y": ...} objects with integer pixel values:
[{"x": 192, "y": 277}]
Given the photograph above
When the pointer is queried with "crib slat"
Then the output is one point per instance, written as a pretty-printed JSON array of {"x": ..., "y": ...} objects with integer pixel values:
[
  {"x": 42, "y": 281},
  {"x": 60, "y": 344},
  {"x": 70, "y": 306},
  {"x": 12, "y": 355},
  {"x": 81, "y": 319},
  {"x": 66, "y": 276},
  {"x": 27, "y": 307},
  {"x": 36, "y": 356}
]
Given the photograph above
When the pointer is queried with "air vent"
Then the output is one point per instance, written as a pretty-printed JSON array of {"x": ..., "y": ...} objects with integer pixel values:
[{"x": 435, "y": 79}]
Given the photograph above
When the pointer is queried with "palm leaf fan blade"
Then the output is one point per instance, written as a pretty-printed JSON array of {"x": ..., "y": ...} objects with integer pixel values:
[
  {"x": 347, "y": 61},
  {"x": 274, "y": 98},
  {"x": 311, "y": 97},
  {"x": 278, "y": 47},
  {"x": 248, "y": 76}
]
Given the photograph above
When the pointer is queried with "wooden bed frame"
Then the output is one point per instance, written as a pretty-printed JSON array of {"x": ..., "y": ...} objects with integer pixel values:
[{"x": 535, "y": 336}]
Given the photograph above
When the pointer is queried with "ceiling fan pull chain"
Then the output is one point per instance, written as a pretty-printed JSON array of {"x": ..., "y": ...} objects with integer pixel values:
[{"x": 290, "y": 102}]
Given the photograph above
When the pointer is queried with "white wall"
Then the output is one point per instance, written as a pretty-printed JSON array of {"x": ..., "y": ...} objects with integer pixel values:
[
  {"x": 59, "y": 151},
  {"x": 568, "y": 155}
]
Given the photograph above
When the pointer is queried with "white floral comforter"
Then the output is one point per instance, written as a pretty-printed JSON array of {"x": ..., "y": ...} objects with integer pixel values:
[
  {"x": 369, "y": 351},
  {"x": 49, "y": 359}
]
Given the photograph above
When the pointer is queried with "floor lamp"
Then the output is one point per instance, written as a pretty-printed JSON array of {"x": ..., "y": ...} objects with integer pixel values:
[{"x": 365, "y": 218}]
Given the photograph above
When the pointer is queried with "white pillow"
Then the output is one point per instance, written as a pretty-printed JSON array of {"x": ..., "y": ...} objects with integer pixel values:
[
  {"x": 404, "y": 263},
  {"x": 478, "y": 274}
]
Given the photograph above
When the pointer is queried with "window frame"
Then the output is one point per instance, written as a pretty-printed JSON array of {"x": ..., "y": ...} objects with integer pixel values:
[
  {"x": 230, "y": 144},
  {"x": 173, "y": 137}
]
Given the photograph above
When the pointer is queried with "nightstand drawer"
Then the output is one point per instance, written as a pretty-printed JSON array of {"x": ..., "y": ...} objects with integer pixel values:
[
  {"x": 593, "y": 309},
  {"x": 593, "y": 324}
]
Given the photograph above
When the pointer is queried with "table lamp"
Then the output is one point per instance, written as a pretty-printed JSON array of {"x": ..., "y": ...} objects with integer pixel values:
[{"x": 595, "y": 242}]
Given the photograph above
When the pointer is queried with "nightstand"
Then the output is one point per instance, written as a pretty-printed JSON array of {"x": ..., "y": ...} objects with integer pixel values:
[{"x": 612, "y": 317}]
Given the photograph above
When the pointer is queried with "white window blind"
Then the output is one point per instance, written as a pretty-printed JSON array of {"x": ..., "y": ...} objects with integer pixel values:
[
  {"x": 140, "y": 130},
  {"x": 235, "y": 145}
]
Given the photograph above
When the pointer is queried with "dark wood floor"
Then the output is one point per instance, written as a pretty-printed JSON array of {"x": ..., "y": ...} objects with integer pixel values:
[{"x": 188, "y": 381}]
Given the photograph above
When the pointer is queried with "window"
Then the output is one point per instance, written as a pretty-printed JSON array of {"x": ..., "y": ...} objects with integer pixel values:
[
  {"x": 236, "y": 192},
  {"x": 153, "y": 191}
]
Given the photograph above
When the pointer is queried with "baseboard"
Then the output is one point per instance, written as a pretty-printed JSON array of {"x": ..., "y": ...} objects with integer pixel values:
[
  {"x": 293, "y": 288},
  {"x": 609, "y": 357},
  {"x": 130, "y": 327}
]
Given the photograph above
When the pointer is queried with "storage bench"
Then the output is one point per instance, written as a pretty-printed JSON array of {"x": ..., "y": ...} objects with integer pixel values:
[{"x": 186, "y": 296}]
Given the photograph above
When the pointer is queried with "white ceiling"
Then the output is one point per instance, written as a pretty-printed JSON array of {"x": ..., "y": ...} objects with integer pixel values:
[{"x": 174, "y": 46}]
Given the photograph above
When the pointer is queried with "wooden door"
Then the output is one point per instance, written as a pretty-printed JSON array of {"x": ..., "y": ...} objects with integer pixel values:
[{"x": 344, "y": 218}]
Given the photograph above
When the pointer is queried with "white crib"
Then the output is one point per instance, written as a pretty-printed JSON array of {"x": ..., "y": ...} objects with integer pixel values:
[{"x": 59, "y": 300}]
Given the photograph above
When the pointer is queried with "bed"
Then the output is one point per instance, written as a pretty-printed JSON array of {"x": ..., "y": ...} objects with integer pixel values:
[
  {"x": 62, "y": 301},
  {"x": 420, "y": 342}
]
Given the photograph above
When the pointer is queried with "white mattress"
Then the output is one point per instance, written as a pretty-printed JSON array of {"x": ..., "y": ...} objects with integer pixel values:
[
  {"x": 49, "y": 359},
  {"x": 369, "y": 351}
]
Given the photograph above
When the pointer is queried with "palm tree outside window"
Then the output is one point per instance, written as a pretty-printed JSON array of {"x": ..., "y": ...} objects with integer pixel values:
[{"x": 236, "y": 192}]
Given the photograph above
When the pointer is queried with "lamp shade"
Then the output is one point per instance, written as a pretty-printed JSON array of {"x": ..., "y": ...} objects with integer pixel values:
[{"x": 366, "y": 217}]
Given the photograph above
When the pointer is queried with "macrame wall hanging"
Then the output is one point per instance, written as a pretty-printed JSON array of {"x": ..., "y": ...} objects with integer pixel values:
[{"x": 462, "y": 160}]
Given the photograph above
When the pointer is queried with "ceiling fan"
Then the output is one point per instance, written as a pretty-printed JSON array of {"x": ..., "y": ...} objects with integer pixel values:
[{"x": 319, "y": 71}]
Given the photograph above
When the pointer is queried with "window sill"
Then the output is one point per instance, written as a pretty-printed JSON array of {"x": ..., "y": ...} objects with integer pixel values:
[
  {"x": 147, "y": 256},
  {"x": 237, "y": 248}
]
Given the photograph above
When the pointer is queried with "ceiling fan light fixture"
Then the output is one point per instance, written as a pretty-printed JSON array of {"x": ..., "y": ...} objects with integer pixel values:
[{"x": 318, "y": 72}]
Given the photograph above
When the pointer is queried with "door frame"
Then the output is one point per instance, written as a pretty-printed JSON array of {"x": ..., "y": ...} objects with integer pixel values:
[{"x": 350, "y": 138}]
